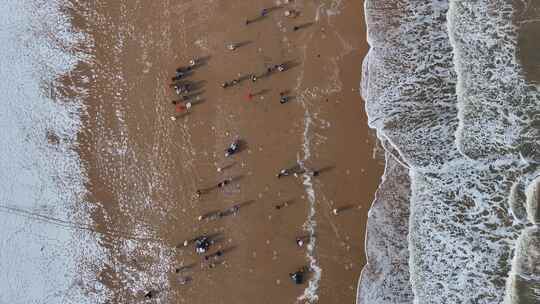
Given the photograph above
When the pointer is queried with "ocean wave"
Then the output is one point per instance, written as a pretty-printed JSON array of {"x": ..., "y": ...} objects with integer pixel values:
[
  {"x": 453, "y": 100},
  {"x": 498, "y": 106}
]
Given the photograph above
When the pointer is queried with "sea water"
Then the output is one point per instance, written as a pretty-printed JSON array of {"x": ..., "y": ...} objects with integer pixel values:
[
  {"x": 43, "y": 243},
  {"x": 449, "y": 88}
]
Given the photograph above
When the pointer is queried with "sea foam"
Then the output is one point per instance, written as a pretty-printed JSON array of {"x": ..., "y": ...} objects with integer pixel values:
[
  {"x": 44, "y": 245},
  {"x": 443, "y": 87}
]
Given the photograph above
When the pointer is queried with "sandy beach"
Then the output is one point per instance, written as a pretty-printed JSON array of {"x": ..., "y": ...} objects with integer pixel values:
[{"x": 144, "y": 168}]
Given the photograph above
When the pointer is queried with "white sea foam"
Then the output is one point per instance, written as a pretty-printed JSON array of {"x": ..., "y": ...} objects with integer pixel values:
[
  {"x": 310, "y": 293},
  {"x": 385, "y": 278},
  {"x": 464, "y": 131},
  {"x": 43, "y": 249},
  {"x": 497, "y": 105}
]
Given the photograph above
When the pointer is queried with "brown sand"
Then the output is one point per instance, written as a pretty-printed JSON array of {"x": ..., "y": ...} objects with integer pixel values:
[{"x": 143, "y": 168}]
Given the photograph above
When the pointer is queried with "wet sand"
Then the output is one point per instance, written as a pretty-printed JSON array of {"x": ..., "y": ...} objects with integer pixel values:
[{"x": 143, "y": 168}]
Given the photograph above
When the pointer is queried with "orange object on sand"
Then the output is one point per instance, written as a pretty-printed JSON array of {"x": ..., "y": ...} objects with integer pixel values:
[{"x": 180, "y": 108}]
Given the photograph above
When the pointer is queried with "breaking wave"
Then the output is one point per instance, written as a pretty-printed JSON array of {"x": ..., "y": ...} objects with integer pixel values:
[{"x": 444, "y": 88}]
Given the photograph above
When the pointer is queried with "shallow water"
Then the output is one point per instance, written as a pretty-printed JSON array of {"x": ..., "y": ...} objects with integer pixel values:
[{"x": 385, "y": 278}]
